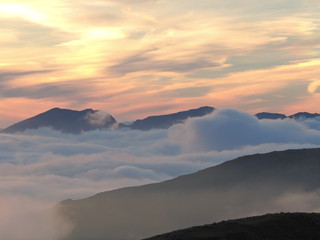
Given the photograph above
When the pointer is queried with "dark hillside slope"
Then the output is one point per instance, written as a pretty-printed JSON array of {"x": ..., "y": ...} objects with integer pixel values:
[
  {"x": 283, "y": 226},
  {"x": 249, "y": 185}
]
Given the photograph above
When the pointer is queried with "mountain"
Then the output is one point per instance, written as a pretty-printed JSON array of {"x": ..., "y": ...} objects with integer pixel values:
[
  {"x": 251, "y": 185},
  {"x": 66, "y": 121},
  {"x": 71, "y": 121},
  {"x": 283, "y": 226},
  {"x": 166, "y": 121},
  {"x": 266, "y": 115},
  {"x": 304, "y": 115},
  {"x": 296, "y": 116}
]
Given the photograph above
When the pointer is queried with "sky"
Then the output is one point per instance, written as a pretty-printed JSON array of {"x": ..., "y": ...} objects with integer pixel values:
[{"x": 144, "y": 57}]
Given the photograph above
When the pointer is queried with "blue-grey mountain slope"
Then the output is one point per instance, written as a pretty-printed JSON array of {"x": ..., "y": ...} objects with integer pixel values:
[
  {"x": 304, "y": 115},
  {"x": 297, "y": 116},
  {"x": 274, "y": 116},
  {"x": 66, "y": 121},
  {"x": 166, "y": 121},
  {"x": 71, "y": 121},
  {"x": 246, "y": 186}
]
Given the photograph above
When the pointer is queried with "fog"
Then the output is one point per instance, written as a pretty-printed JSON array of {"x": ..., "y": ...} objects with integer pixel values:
[
  {"x": 25, "y": 218},
  {"x": 41, "y": 167}
]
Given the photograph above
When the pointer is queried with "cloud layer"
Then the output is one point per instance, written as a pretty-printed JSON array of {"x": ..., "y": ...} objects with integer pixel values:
[{"x": 54, "y": 166}]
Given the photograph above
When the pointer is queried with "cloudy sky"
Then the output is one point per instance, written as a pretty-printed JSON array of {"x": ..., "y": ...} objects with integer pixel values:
[{"x": 135, "y": 58}]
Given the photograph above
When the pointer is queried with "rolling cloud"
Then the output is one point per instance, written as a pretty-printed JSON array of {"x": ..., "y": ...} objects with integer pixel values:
[
  {"x": 38, "y": 161},
  {"x": 230, "y": 129}
]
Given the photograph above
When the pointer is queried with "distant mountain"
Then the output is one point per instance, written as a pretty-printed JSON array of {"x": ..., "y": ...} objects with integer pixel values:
[
  {"x": 296, "y": 116},
  {"x": 71, "y": 121},
  {"x": 66, "y": 121},
  {"x": 283, "y": 226},
  {"x": 304, "y": 115},
  {"x": 266, "y": 115},
  {"x": 166, "y": 121},
  {"x": 246, "y": 186}
]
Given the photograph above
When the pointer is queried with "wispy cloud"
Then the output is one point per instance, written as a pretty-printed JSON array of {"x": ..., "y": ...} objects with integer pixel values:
[{"x": 144, "y": 49}]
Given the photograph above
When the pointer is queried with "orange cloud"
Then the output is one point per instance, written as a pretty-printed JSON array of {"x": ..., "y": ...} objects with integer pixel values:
[{"x": 108, "y": 53}]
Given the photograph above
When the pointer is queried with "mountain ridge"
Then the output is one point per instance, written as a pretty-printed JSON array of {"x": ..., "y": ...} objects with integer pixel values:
[
  {"x": 167, "y": 120},
  {"x": 73, "y": 121}
]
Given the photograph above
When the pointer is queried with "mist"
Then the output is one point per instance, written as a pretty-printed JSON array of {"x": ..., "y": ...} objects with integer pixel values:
[{"x": 31, "y": 219}]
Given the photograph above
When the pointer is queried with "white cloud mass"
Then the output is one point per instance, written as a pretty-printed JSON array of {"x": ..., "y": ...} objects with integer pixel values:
[{"x": 230, "y": 129}]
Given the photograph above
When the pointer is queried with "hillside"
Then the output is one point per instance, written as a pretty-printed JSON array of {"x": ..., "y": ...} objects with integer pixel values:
[
  {"x": 283, "y": 226},
  {"x": 250, "y": 185}
]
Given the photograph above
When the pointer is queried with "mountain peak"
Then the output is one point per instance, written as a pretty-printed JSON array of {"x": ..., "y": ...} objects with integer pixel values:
[{"x": 66, "y": 121}]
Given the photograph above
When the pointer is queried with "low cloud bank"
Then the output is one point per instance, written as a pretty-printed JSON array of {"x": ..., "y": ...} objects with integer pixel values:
[
  {"x": 39, "y": 161},
  {"x": 230, "y": 129}
]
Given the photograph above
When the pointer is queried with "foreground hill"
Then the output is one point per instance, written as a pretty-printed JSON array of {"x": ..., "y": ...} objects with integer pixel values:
[
  {"x": 66, "y": 121},
  {"x": 166, "y": 121},
  {"x": 246, "y": 186},
  {"x": 284, "y": 226}
]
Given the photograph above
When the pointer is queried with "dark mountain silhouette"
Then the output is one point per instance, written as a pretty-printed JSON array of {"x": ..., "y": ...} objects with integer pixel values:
[
  {"x": 246, "y": 186},
  {"x": 65, "y": 120},
  {"x": 304, "y": 115},
  {"x": 283, "y": 226},
  {"x": 296, "y": 116},
  {"x": 266, "y": 115},
  {"x": 166, "y": 121}
]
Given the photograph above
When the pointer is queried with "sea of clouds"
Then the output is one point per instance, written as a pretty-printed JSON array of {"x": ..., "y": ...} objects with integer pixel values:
[
  {"x": 40, "y": 167},
  {"x": 51, "y": 165}
]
